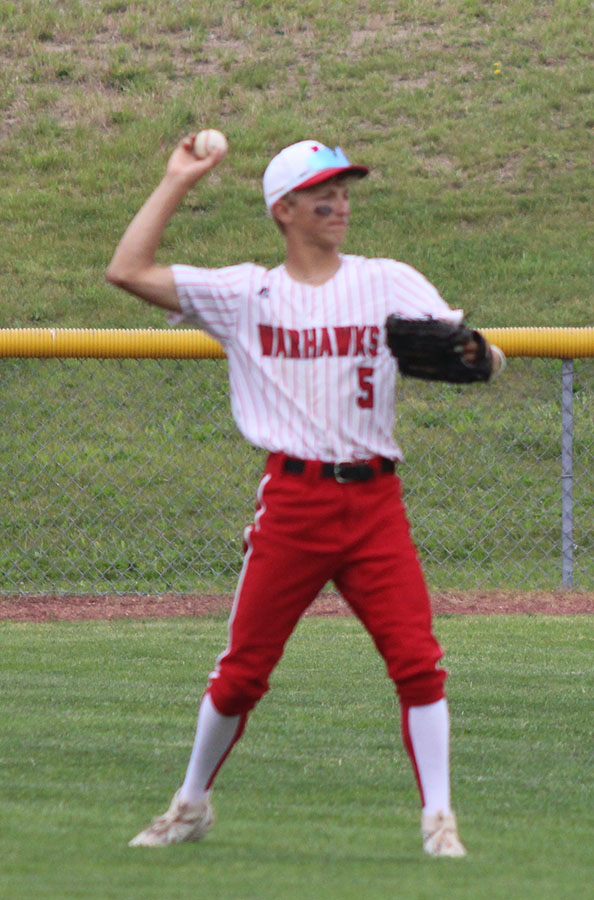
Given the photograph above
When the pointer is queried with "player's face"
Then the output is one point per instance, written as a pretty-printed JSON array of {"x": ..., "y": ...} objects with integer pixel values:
[{"x": 321, "y": 213}]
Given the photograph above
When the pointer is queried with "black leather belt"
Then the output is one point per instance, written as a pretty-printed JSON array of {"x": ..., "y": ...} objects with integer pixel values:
[{"x": 343, "y": 472}]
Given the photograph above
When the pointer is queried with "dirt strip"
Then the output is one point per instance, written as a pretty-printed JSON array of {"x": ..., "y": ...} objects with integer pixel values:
[{"x": 50, "y": 608}]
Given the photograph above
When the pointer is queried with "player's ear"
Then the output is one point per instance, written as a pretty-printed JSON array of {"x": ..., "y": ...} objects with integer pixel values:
[{"x": 282, "y": 210}]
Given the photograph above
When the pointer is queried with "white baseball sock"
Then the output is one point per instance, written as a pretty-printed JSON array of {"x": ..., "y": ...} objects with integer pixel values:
[
  {"x": 215, "y": 735},
  {"x": 429, "y": 729}
]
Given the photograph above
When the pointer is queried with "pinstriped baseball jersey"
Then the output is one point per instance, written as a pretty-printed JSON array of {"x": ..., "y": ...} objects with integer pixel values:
[{"x": 309, "y": 370}]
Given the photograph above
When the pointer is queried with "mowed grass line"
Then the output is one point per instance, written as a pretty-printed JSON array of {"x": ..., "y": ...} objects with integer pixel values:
[{"x": 318, "y": 799}]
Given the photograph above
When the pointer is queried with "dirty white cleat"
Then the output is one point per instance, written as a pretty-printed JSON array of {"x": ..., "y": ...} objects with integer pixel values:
[
  {"x": 440, "y": 835},
  {"x": 182, "y": 822}
]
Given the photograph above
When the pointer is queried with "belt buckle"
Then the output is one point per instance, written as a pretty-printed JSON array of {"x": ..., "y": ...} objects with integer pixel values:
[{"x": 338, "y": 476}]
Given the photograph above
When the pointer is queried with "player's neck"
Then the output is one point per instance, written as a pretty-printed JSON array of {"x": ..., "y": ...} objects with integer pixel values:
[{"x": 312, "y": 267}]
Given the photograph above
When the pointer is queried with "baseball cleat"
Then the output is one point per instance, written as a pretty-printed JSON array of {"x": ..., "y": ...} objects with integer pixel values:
[
  {"x": 440, "y": 835},
  {"x": 182, "y": 822}
]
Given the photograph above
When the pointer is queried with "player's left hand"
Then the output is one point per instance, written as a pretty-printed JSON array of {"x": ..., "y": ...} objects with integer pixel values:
[
  {"x": 470, "y": 352},
  {"x": 438, "y": 350}
]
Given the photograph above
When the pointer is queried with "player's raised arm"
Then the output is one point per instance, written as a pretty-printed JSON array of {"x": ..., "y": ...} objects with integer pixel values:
[{"x": 133, "y": 266}]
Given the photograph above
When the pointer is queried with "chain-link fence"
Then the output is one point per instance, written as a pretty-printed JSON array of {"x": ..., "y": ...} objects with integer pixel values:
[{"x": 129, "y": 476}]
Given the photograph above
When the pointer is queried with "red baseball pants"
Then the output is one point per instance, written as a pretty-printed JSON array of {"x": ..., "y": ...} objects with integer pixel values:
[{"x": 309, "y": 530}]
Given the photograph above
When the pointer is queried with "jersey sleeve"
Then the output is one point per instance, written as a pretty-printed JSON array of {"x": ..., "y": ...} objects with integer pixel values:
[
  {"x": 413, "y": 296},
  {"x": 211, "y": 298}
]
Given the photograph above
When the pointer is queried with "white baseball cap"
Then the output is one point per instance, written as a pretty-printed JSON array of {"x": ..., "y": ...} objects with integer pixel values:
[{"x": 302, "y": 165}]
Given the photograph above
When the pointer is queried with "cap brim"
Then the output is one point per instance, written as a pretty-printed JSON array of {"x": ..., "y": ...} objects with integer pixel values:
[{"x": 326, "y": 174}]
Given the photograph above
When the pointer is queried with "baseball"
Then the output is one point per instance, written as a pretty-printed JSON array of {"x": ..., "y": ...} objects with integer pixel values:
[{"x": 208, "y": 141}]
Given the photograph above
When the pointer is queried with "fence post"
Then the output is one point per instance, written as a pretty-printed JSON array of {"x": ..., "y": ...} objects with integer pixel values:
[{"x": 567, "y": 473}]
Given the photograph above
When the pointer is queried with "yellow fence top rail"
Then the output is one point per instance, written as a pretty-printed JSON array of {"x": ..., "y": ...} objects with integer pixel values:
[
  {"x": 121, "y": 343},
  {"x": 109, "y": 343},
  {"x": 559, "y": 343}
]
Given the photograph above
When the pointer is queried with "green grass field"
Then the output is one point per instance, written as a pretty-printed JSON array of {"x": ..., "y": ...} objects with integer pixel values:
[{"x": 317, "y": 800}]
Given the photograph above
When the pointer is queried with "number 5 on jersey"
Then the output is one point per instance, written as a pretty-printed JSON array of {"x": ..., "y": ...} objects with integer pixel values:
[{"x": 365, "y": 398}]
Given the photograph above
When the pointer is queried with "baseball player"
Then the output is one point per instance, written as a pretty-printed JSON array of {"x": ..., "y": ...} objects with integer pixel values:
[{"x": 313, "y": 383}]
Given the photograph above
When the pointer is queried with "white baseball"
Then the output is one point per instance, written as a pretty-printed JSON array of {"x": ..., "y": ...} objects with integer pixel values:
[{"x": 208, "y": 141}]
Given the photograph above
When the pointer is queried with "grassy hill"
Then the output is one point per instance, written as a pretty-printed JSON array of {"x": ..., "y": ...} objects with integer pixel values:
[{"x": 475, "y": 117}]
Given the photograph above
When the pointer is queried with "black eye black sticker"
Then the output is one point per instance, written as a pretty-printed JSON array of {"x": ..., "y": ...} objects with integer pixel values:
[{"x": 323, "y": 210}]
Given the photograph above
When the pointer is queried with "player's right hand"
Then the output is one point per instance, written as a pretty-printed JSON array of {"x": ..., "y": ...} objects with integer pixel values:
[{"x": 185, "y": 165}]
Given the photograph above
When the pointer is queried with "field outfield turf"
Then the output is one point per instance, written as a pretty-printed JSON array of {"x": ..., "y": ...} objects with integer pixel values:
[{"x": 318, "y": 799}]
